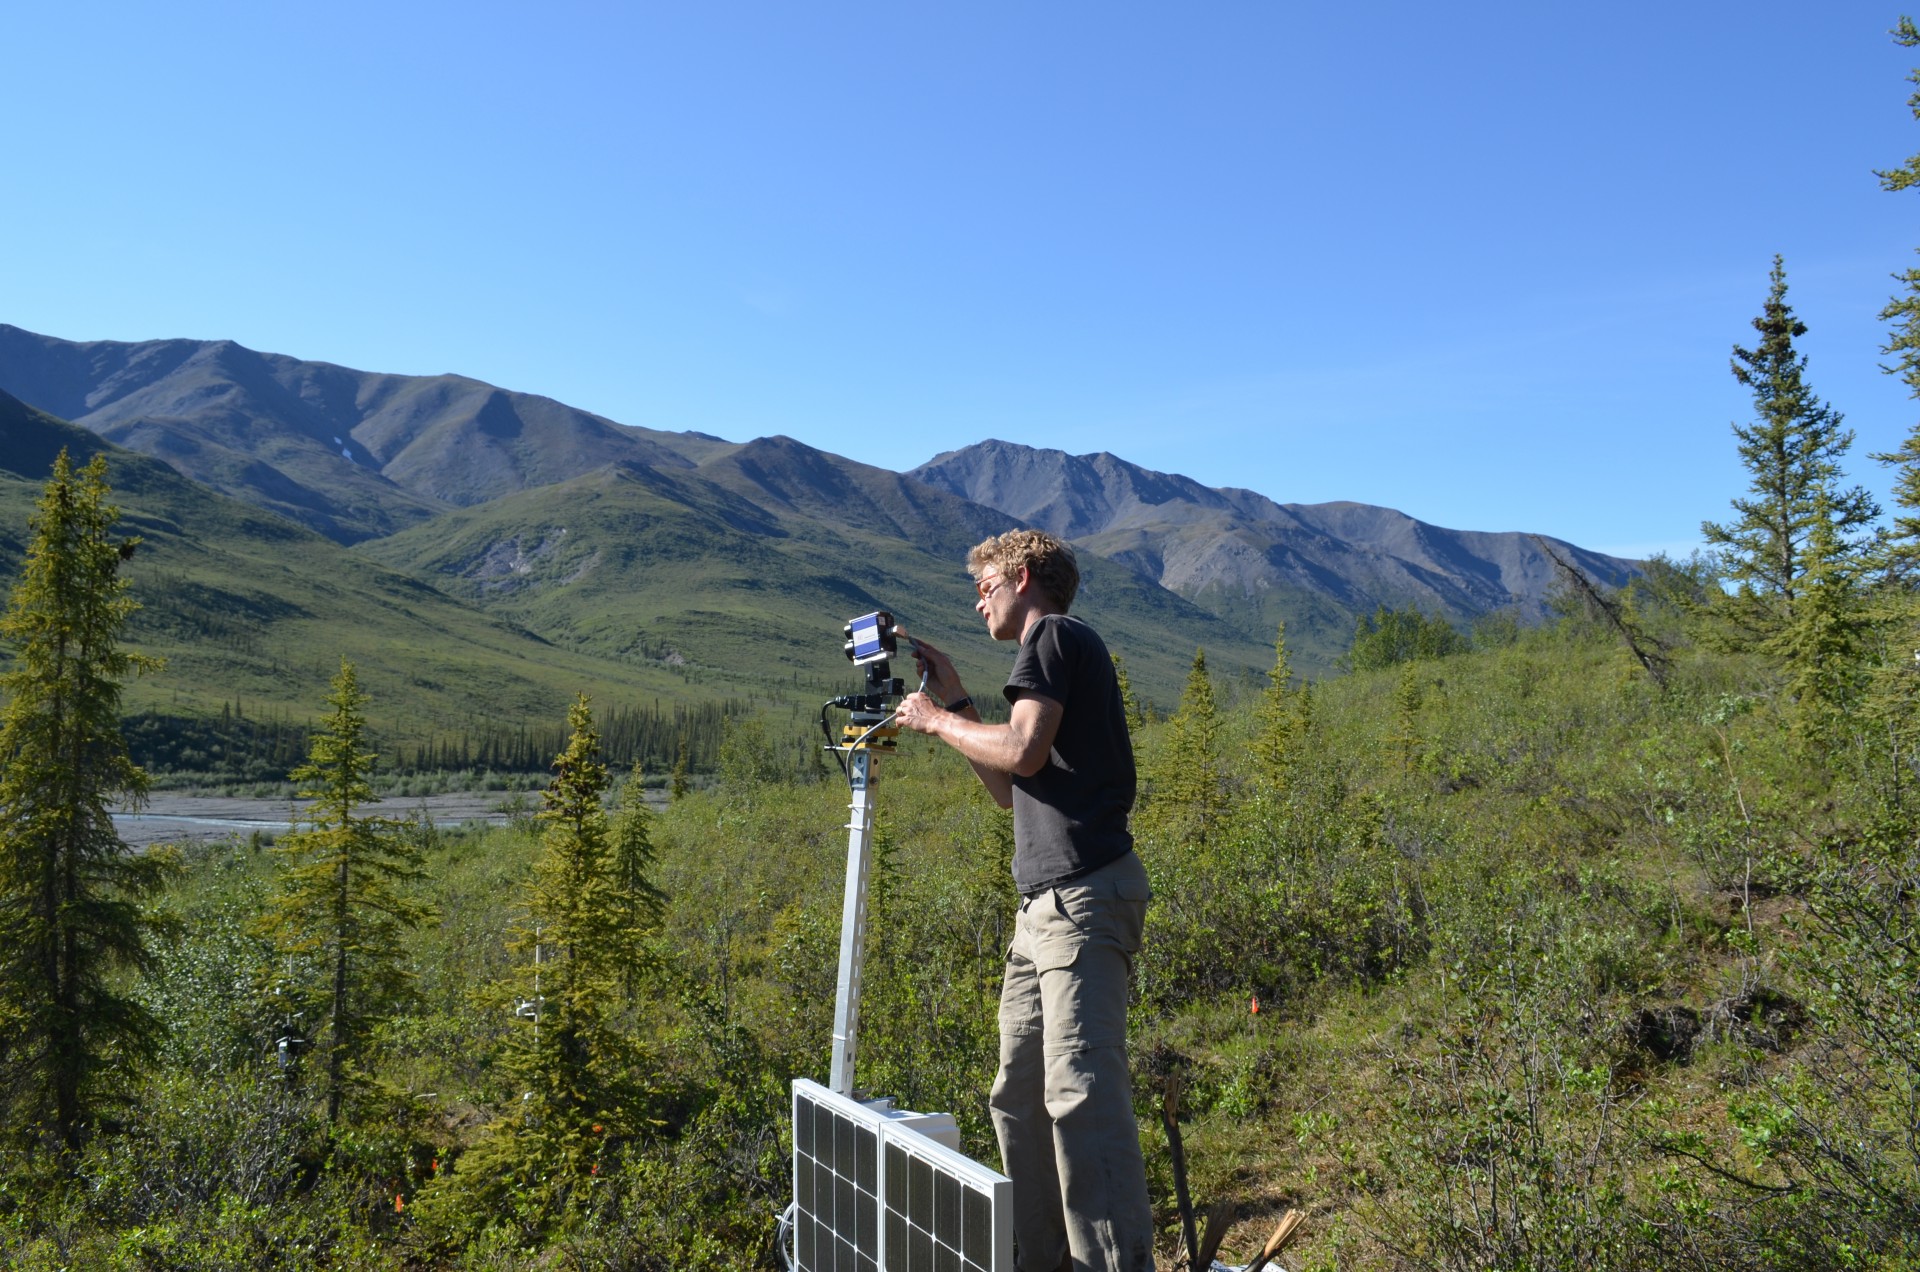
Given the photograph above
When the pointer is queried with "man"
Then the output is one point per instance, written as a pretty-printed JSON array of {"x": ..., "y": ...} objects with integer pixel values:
[{"x": 1062, "y": 1103}]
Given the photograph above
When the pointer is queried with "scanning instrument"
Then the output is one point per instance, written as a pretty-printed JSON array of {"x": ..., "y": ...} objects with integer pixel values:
[{"x": 872, "y": 640}]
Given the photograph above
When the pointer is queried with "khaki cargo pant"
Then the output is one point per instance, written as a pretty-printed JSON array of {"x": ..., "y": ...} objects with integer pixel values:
[{"x": 1062, "y": 1104}]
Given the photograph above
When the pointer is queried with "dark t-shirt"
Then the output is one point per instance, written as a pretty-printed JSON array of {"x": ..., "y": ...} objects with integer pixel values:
[{"x": 1070, "y": 818}]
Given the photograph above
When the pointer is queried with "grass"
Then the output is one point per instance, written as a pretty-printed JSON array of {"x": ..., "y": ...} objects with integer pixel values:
[{"x": 1454, "y": 956}]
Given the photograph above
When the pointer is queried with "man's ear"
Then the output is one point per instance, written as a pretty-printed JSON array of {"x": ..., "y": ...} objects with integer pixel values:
[{"x": 1026, "y": 577}]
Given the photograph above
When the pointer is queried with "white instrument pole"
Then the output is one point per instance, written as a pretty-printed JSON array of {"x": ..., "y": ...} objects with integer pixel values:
[{"x": 853, "y": 920}]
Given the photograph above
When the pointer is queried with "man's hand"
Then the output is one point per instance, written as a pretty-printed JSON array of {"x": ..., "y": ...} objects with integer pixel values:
[
  {"x": 942, "y": 680},
  {"x": 996, "y": 751},
  {"x": 919, "y": 712}
]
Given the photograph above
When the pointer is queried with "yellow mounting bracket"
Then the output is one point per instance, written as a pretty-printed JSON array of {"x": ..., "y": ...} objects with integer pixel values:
[{"x": 884, "y": 738}]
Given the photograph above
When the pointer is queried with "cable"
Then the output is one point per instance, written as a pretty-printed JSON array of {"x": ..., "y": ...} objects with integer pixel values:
[
  {"x": 827, "y": 730},
  {"x": 840, "y": 752},
  {"x": 783, "y": 1235}
]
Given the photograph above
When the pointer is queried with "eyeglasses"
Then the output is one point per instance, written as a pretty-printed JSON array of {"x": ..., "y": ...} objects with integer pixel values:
[{"x": 989, "y": 585}]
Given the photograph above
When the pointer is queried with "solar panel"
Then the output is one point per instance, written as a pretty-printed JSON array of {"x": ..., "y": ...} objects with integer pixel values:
[{"x": 873, "y": 1193}]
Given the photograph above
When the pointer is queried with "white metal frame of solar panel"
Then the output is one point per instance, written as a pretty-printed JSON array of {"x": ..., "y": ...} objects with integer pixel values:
[{"x": 873, "y": 1195}]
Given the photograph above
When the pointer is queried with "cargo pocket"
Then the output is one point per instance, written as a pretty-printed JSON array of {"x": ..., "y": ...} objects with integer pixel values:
[
  {"x": 1059, "y": 934},
  {"x": 1131, "y": 892}
]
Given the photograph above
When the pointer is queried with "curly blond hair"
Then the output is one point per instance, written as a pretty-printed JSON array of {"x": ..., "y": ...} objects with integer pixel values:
[{"x": 1048, "y": 562}]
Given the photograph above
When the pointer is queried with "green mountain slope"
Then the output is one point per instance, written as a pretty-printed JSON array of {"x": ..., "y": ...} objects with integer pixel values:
[
  {"x": 1254, "y": 561},
  {"x": 249, "y": 608},
  {"x": 665, "y": 567}
]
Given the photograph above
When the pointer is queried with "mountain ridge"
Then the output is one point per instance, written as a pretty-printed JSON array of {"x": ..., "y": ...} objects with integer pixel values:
[
  {"x": 354, "y": 454},
  {"x": 245, "y": 604},
  {"x": 398, "y": 463},
  {"x": 1199, "y": 540}
]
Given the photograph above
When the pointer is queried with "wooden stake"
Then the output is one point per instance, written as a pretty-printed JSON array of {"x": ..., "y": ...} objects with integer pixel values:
[
  {"x": 1170, "y": 1118},
  {"x": 1282, "y": 1238},
  {"x": 1220, "y": 1217}
]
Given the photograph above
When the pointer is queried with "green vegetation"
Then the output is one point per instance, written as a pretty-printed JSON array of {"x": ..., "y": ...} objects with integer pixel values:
[
  {"x": 1553, "y": 968},
  {"x": 1187, "y": 774},
  {"x": 69, "y": 889},
  {"x": 1388, "y": 637},
  {"x": 585, "y": 944},
  {"x": 341, "y": 901}
]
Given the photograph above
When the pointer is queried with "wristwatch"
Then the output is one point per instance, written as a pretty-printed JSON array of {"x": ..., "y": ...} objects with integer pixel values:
[{"x": 960, "y": 704}]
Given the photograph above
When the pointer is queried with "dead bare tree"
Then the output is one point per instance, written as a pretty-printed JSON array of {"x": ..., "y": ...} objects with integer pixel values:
[{"x": 1650, "y": 652}]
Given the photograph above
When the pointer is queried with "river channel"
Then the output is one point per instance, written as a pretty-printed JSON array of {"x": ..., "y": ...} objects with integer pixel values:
[{"x": 172, "y": 817}]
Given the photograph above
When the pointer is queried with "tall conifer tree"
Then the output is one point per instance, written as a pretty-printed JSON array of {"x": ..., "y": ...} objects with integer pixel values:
[
  {"x": 581, "y": 917},
  {"x": 579, "y": 1071},
  {"x": 1129, "y": 705},
  {"x": 68, "y": 915},
  {"x": 1907, "y": 174},
  {"x": 1821, "y": 645},
  {"x": 1903, "y": 345},
  {"x": 1894, "y": 697},
  {"x": 1792, "y": 449},
  {"x": 343, "y": 897},
  {"x": 639, "y": 903},
  {"x": 1188, "y": 798},
  {"x": 1278, "y": 719}
]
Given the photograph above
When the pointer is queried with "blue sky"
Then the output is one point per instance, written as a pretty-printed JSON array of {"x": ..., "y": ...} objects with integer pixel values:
[{"x": 1483, "y": 263}]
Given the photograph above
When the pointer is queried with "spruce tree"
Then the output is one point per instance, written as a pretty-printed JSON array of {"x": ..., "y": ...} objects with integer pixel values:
[
  {"x": 69, "y": 921},
  {"x": 1906, "y": 35},
  {"x": 1129, "y": 705},
  {"x": 1408, "y": 697},
  {"x": 1278, "y": 722},
  {"x": 1188, "y": 796},
  {"x": 1894, "y": 697},
  {"x": 679, "y": 784},
  {"x": 639, "y": 902},
  {"x": 1792, "y": 449},
  {"x": 579, "y": 1071},
  {"x": 1903, "y": 345},
  {"x": 1900, "y": 554},
  {"x": 1821, "y": 646},
  {"x": 342, "y": 900}
]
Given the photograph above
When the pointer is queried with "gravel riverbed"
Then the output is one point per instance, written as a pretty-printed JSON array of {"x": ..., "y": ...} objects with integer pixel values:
[{"x": 171, "y": 817}]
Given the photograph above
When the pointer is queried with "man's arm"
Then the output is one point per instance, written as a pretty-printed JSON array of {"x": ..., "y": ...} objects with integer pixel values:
[{"x": 1023, "y": 745}]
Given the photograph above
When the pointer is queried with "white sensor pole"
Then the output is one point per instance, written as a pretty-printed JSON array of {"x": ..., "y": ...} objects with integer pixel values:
[{"x": 853, "y": 919}]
